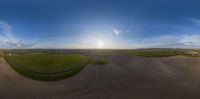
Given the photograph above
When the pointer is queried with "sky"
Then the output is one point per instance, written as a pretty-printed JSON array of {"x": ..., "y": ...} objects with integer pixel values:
[{"x": 109, "y": 24}]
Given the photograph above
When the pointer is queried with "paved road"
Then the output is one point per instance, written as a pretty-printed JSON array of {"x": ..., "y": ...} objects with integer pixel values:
[{"x": 124, "y": 78}]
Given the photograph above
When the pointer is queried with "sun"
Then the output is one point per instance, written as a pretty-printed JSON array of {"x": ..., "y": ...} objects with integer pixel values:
[{"x": 100, "y": 44}]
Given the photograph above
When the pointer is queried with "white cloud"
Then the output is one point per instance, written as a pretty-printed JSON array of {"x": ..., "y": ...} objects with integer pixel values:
[
  {"x": 116, "y": 31},
  {"x": 170, "y": 41},
  {"x": 8, "y": 40},
  {"x": 195, "y": 20},
  {"x": 191, "y": 40}
]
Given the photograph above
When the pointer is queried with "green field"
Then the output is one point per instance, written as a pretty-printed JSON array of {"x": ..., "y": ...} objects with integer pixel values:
[
  {"x": 163, "y": 52},
  {"x": 53, "y": 65},
  {"x": 155, "y": 53},
  {"x": 41, "y": 66}
]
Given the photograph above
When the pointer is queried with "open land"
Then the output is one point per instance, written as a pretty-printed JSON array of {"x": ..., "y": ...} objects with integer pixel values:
[{"x": 129, "y": 74}]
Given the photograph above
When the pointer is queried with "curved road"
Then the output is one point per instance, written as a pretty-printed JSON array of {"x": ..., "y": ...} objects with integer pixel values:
[{"x": 124, "y": 78}]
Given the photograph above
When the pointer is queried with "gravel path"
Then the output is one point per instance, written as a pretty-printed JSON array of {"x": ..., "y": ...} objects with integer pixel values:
[{"x": 124, "y": 78}]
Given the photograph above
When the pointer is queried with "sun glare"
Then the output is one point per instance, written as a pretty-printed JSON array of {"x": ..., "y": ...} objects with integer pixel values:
[{"x": 100, "y": 44}]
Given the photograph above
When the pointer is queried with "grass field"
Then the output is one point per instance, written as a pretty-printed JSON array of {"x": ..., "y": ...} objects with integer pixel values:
[
  {"x": 155, "y": 53},
  {"x": 52, "y": 65},
  {"x": 41, "y": 66}
]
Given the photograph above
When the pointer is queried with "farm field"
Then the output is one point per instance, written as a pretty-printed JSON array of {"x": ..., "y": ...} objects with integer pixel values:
[
  {"x": 163, "y": 52},
  {"x": 112, "y": 74},
  {"x": 41, "y": 66}
]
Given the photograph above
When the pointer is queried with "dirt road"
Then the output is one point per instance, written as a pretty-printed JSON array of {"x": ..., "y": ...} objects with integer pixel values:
[{"x": 124, "y": 78}]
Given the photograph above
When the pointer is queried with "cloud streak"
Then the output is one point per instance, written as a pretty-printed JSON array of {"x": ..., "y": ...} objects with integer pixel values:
[
  {"x": 167, "y": 41},
  {"x": 116, "y": 31},
  {"x": 195, "y": 20},
  {"x": 8, "y": 40}
]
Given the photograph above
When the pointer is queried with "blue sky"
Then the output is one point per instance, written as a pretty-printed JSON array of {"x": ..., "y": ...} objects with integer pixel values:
[{"x": 99, "y": 24}]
